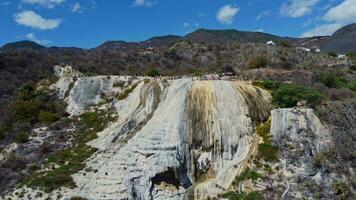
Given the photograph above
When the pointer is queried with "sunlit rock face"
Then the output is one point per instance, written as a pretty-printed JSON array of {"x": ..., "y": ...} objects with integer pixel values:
[
  {"x": 301, "y": 138},
  {"x": 169, "y": 135}
]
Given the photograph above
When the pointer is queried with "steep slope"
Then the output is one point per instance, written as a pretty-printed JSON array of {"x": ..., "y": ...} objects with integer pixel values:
[{"x": 342, "y": 41}]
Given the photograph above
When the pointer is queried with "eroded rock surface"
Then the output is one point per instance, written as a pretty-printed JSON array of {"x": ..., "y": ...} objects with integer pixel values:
[{"x": 184, "y": 138}]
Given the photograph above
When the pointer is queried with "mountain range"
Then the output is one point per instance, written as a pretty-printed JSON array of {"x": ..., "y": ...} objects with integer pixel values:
[
  {"x": 203, "y": 50},
  {"x": 342, "y": 41}
]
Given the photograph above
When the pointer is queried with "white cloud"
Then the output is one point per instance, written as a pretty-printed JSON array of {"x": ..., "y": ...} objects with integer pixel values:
[
  {"x": 77, "y": 8},
  {"x": 259, "y": 30},
  {"x": 44, "y": 3},
  {"x": 32, "y": 37},
  {"x": 325, "y": 29},
  {"x": 31, "y": 19},
  {"x": 344, "y": 12},
  {"x": 227, "y": 13},
  {"x": 298, "y": 8},
  {"x": 262, "y": 14},
  {"x": 186, "y": 24},
  {"x": 335, "y": 18},
  {"x": 147, "y": 3}
]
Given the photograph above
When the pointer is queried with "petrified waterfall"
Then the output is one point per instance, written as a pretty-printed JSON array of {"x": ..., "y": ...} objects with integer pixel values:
[
  {"x": 182, "y": 138},
  {"x": 169, "y": 136}
]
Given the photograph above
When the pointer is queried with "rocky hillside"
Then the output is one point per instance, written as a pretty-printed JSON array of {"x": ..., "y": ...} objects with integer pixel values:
[
  {"x": 228, "y": 36},
  {"x": 342, "y": 41},
  {"x": 178, "y": 138},
  {"x": 202, "y": 51}
]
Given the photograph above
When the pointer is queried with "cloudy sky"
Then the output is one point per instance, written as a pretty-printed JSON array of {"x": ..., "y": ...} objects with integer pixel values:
[{"x": 88, "y": 23}]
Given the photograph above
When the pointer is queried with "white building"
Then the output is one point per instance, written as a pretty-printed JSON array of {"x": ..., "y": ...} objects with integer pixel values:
[
  {"x": 317, "y": 50},
  {"x": 341, "y": 56},
  {"x": 304, "y": 49},
  {"x": 271, "y": 43}
]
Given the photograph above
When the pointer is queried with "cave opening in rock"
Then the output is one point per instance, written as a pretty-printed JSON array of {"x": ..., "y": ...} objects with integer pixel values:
[{"x": 168, "y": 177}]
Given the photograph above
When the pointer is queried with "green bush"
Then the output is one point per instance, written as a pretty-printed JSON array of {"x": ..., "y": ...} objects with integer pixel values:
[
  {"x": 153, "y": 72},
  {"x": 341, "y": 189},
  {"x": 47, "y": 117},
  {"x": 332, "y": 54},
  {"x": 258, "y": 62},
  {"x": 268, "y": 152},
  {"x": 126, "y": 92},
  {"x": 288, "y": 95},
  {"x": 21, "y": 137},
  {"x": 26, "y": 92},
  {"x": 331, "y": 79},
  {"x": 25, "y": 110},
  {"x": 248, "y": 174},
  {"x": 196, "y": 72},
  {"x": 254, "y": 196},
  {"x": 351, "y": 56},
  {"x": 263, "y": 130},
  {"x": 285, "y": 44},
  {"x": 267, "y": 84},
  {"x": 353, "y": 67},
  {"x": 352, "y": 85},
  {"x": 243, "y": 196}
]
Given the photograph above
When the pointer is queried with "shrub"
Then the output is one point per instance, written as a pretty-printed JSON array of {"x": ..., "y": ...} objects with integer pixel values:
[
  {"x": 24, "y": 110},
  {"x": 243, "y": 196},
  {"x": 352, "y": 56},
  {"x": 126, "y": 92},
  {"x": 254, "y": 196},
  {"x": 248, "y": 174},
  {"x": 258, "y": 62},
  {"x": 21, "y": 137},
  {"x": 332, "y": 54},
  {"x": 268, "y": 152},
  {"x": 196, "y": 72},
  {"x": 47, "y": 117},
  {"x": 153, "y": 72},
  {"x": 352, "y": 85},
  {"x": 25, "y": 92},
  {"x": 263, "y": 130},
  {"x": 119, "y": 84},
  {"x": 331, "y": 79},
  {"x": 267, "y": 84},
  {"x": 341, "y": 189},
  {"x": 285, "y": 44},
  {"x": 288, "y": 95},
  {"x": 353, "y": 67}
]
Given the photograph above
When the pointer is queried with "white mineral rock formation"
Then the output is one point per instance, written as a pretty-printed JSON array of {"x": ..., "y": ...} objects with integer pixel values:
[
  {"x": 301, "y": 137},
  {"x": 152, "y": 151},
  {"x": 296, "y": 123}
]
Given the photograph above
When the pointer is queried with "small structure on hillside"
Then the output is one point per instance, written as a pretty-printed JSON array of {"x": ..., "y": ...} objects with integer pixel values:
[
  {"x": 271, "y": 43},
  {"x": 341, "y": 56},
  {"x": 303, "y": 49}
]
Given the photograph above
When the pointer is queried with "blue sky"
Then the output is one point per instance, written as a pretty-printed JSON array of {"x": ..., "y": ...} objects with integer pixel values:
[{"x": 88, "y": 23}]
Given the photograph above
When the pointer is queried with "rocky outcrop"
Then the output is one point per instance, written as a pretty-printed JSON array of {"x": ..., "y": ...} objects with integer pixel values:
[
  {"x": 304, "y": 143},
  {"x": 185, "y": 138}
]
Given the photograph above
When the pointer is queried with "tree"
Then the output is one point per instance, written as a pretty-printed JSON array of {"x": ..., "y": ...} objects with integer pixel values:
[
  {"x": 288, "y": 95},
  {"x": 258, "y": 62},
  {"x": 153, "y": 72}
]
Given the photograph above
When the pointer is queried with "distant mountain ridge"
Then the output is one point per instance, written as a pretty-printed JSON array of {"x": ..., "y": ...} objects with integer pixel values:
[
  {"x": 232, "y": 35},
  {"x": 342, "y": 41}
]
